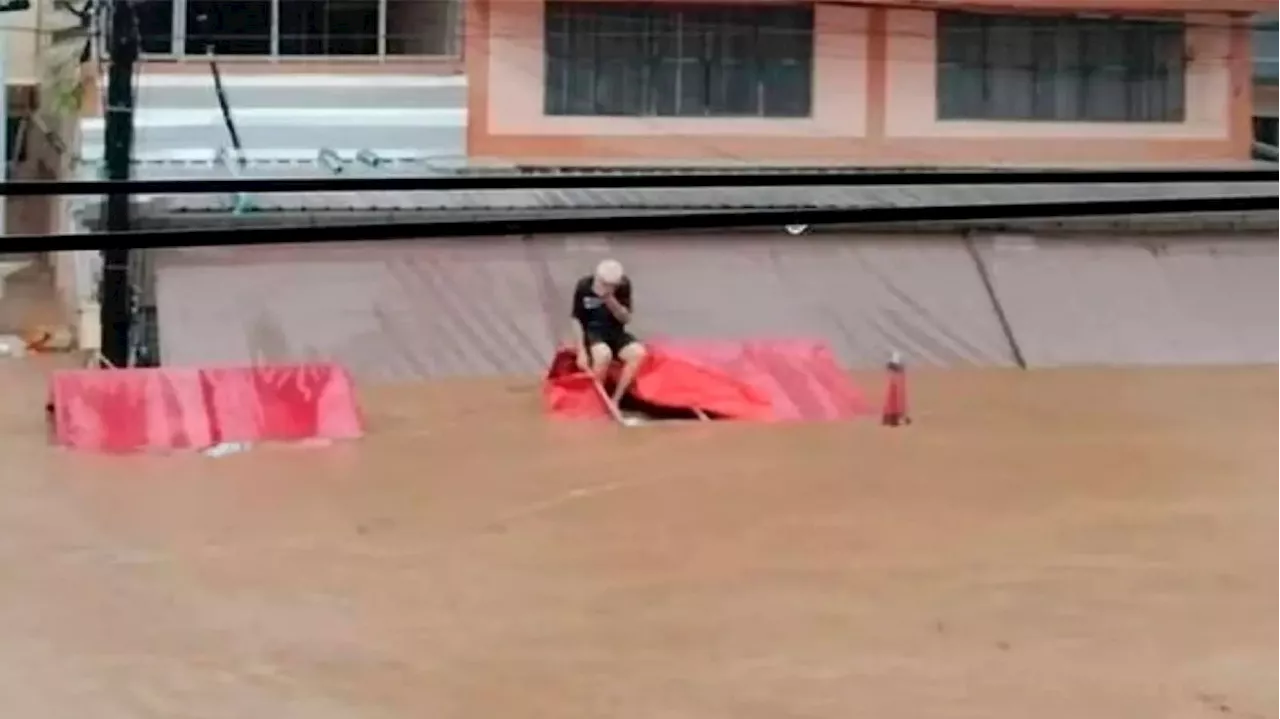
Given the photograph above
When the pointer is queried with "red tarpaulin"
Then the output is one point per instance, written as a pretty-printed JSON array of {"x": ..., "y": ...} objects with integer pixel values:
[
  {"x": 179, "y": 408},
  {"x": 753, "y": 381}
]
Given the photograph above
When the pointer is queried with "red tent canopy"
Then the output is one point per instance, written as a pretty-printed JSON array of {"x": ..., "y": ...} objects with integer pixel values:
[{"x": 753, "y": 381}]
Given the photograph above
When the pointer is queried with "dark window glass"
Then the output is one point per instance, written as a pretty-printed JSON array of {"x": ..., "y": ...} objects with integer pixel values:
[
  {"x": 15, "y": 142},
  {"x": 1265, "y": 55},
  {"x": 993, "y": 67},
  {"x": 155, "y": 25},
  {"x": 688, "y": 61},
  {"x": 229, "y": 28},
  {"x": 1264, "y": 130},
  {"x": 326, "y": 28}
]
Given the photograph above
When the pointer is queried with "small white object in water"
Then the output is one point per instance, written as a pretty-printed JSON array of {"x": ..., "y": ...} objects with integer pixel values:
[
  {"x": 12, "y": 346},
  {"x": 227, "y": 448}
]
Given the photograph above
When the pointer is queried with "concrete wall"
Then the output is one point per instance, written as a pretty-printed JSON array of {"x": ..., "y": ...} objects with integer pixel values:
[
  {"x": 178, "y": 114},
  {"x": 874, "y": 103},
  {"x": 21, "y": 45},
  {"x": 27, "y": 45}
]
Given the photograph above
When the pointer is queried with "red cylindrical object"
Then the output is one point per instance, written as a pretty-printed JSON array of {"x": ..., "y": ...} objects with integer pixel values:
[{"x": 895, "y": 399}]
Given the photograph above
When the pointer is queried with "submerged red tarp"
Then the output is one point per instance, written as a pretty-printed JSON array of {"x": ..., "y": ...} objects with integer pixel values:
[
  {"x": 183, "y": 408},
  {"x": 753, "y": 381}
]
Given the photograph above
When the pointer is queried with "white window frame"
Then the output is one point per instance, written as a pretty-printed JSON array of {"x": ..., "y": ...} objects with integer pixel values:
[{"x": 178, "y": 36}]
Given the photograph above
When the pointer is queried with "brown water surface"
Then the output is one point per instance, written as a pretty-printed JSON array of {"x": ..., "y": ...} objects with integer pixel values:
[{"x": 1074, "y": 544}]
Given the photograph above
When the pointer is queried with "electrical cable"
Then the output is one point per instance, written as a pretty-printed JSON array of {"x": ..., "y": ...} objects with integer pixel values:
[{"x": 622, "y": 222}]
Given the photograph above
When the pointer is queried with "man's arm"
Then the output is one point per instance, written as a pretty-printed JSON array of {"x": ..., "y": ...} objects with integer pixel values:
[
  {"x": 577, "y": 333},
  {"x": 619, "y": 303}
]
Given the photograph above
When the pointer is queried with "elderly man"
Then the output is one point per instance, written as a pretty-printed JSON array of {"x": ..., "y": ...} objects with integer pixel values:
[{"x": 601, "y": 311}]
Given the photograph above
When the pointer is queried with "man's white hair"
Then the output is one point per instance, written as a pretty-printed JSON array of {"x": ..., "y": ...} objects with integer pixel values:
[{"x": 609, "y": 272}]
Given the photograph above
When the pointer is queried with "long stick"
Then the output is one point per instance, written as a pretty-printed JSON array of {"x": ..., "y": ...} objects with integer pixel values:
[
  {"x": 1006, "y": 326},
  {"x": 608, "y": 403}
]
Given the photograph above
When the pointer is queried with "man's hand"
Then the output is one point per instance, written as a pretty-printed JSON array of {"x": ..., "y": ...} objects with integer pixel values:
[
  {"x": 584, "y": 360},
  {"x": 618, "y": 309}
]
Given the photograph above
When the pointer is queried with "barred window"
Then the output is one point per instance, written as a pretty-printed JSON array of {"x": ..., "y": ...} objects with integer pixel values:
[
  {"x": 1266, "y": 59},
  {"x": 687, "y": 61},
  {"x": 299, "y": 28},
  {"x": 993, "y": 67}
]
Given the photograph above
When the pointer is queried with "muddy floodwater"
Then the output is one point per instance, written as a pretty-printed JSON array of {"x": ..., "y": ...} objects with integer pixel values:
[{"x": 1049, "y": 544}]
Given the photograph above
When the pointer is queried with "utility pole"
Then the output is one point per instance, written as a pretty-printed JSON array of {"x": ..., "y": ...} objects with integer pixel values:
[
  {"x": 117, "y": 292},
  {"x": 4, "y": 124},
  {"x": 6, "y": 6}
]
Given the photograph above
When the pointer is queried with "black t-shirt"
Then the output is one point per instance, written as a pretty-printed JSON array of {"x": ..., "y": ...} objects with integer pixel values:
[{"x": 590, "y": 310}]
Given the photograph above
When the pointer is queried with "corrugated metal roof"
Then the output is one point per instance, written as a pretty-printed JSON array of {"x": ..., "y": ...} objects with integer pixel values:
[
  {"x": 438, "y": 309},
  {"x": 701, "y": 198},
  {"x": 447, "y": 309},
  {"x": 1089, "y": 302}
]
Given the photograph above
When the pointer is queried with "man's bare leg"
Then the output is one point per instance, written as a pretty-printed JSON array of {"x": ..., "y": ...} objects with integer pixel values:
[
  {"x": 601, "y": 357},
  {"x": 632, "y": 356}
]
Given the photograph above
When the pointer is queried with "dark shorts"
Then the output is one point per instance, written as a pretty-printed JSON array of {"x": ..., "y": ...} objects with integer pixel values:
[{"x": 614, "y": 340}]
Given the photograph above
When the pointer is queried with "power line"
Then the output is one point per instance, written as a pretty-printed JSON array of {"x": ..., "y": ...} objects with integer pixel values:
[
  {"x": 658, "y": 179},
  {"x": 630, "y": 221}
]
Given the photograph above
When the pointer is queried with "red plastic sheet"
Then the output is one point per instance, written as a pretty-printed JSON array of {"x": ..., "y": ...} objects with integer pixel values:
[
  {"x": 282, "y": 403},
  {"x": 568, "y": 393},
  {"x": 128, "y": 409},
  {"x": 178, "y": 408},
  {"x": 767, "y": 380}
]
